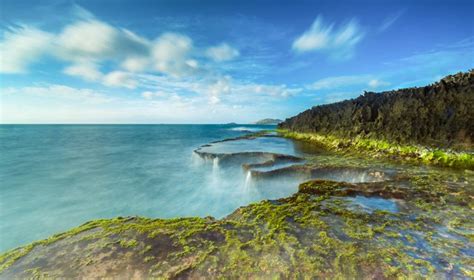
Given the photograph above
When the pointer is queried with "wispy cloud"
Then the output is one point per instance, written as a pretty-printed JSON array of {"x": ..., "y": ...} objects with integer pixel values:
[
  {"x": 56, "y": 91},
  {"x": 67, "y": 104},
  {"x": 389, "y": 21},
  {"x": 426, "y": 67},
  {"x": 218, "y": 90},
  {"x": 358, "y": 81},
  {"x": 338, "y": 42},
  {"x": 415, "y": 70}
]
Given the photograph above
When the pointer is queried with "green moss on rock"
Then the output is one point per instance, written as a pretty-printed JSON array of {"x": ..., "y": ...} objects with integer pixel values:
[
  {"x": 384, "y": 149},
  {"x": 317, "y": 232}
]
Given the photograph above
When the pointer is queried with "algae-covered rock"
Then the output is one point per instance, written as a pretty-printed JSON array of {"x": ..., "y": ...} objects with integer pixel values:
[{"x": 322, "y": 231}]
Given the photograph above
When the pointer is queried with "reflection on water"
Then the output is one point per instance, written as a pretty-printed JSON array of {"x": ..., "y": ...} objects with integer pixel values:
[{"x": 371, "y": 204}]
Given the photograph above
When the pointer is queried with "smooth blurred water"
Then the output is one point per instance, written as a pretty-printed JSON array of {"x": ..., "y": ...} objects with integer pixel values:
[
  {"x": 263, "y": 144},
  {"x": 54, "y": 177}
]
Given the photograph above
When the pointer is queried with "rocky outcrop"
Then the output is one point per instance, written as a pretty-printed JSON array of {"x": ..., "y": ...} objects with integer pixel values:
[
  {"x": 321, "y": 232},
  {"x": 308, "y": 172},
  {"x": 437, "y": 115},
  {"x": 395, "y": 224}
]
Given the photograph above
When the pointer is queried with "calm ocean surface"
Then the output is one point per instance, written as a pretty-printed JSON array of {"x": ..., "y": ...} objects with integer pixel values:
[{"x": 55, "y": 177}]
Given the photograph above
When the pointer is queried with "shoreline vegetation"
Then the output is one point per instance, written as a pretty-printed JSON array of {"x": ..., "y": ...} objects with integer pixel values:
[{"x": 381, "y": 148}]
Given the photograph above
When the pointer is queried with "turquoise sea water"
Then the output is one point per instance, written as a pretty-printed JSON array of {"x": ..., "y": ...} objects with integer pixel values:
[{"x": 54, "y": 177}]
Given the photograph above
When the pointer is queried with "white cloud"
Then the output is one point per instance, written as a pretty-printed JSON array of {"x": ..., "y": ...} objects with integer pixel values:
[
  {"x": 187, "y": 84},
  {"x": 170, "y": 53},
  {"x": 63, "y": 104},
  {"x": 349, "y": 35},
  {"x": 222, "y": 52},
  {"x": 317, "y": 37},
  {"x": 192, "y": 63},
  {"x": 222, "y": 86},
  {"x": 220, "y": 90},
  {"x": 339, "y": 43},
  {"x": 88, "y": 45},
  {"x": 360, "y": 81},
  {"x": 147, "y": 95},
  {"x": 86, "y": 71},
  {"x": 120, "y": 79},
  {"x": 375, "y": 83},
  {"x": 93, "y": 39},
  {"x": 21, "y": 47},
  {"x": 136, "y": 63},
  {"x": 279, "y": 91}
]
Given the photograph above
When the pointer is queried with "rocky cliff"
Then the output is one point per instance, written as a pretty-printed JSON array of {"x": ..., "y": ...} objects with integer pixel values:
[{"x": 437, "y": 115}]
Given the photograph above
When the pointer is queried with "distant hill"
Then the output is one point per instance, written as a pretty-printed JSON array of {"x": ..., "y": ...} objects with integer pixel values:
[
  {"x": 439, "y": 115},
  {"x": 269, "y": 121}
]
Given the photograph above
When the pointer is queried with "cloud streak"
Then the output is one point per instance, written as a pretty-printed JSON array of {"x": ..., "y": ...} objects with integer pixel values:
[
  {"x": 389, "y": 21},
  {"x": 339, "y": 43},
  {"x": 337, "y": 82}
]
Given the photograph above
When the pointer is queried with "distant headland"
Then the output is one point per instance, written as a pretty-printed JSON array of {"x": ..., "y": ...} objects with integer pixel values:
[{"x": 269, "y": 121}]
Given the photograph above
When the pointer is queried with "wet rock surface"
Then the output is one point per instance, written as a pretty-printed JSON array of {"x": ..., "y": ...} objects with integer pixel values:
[{"x": 350, "y": 218}]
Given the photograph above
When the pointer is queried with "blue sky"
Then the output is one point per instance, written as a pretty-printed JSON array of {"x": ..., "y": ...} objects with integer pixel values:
[{"x": 218, "y": 61}]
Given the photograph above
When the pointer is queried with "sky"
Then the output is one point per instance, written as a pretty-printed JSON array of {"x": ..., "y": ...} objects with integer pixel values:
[{"x": 218, "y": 61}]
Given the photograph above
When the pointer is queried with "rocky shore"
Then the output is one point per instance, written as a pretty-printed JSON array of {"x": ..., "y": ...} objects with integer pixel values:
[{"x": 395, "y": 221}]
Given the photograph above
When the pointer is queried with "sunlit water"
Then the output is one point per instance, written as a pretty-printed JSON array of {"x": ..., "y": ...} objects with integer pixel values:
[{"x": 53, "y": 178}]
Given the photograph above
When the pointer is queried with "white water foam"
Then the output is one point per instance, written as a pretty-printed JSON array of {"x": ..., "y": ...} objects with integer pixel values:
[
  {"x": 215, "y": 165},
  {"x": 244, "y": 128},
  {"x": 248, "y": 182}
]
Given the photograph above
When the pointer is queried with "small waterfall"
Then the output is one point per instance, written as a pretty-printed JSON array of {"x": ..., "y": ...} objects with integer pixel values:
[
  {"x": 248, "y": 181},
  {"x": 215, "y": 165},
  {"x": 214, "y": 179},
  {"x": 196, "y": 160}
]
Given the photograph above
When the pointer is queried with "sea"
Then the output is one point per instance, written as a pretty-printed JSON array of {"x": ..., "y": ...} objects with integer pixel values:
[{"x": 56, "y": 177}]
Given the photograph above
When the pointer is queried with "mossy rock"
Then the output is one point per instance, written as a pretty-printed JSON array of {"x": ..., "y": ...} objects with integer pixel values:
[{"x": 316, "y": 233}]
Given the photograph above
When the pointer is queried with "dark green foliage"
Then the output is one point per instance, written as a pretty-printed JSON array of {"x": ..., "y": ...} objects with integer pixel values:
[{"x": 438, "y": 115}]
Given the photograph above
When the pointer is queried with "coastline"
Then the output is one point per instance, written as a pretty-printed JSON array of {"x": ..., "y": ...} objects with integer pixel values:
[
  {"x": 385, "y": 149},
  {"x": 326, "y": 229}
]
